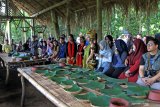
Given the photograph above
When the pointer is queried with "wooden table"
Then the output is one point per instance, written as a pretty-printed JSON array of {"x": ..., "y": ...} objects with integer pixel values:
[
  {"x": 55, "y": 93},
  {"x": 8, "y": 62},
  {"x": 50, "y": 89}
]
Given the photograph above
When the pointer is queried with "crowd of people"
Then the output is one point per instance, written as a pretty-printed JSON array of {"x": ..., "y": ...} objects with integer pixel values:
[{"x": 135, "y": 58}]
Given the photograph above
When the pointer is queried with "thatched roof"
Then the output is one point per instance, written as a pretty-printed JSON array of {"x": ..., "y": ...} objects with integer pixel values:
[
  {"x": 81, "y": 11},
  {"x": 80, "y": 8}
]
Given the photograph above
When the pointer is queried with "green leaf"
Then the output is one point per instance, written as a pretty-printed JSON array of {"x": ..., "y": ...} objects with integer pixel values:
[
  {"x": 137, "y": 91},
  {"x": 58, "y": 79},
  {"x": 74, "y": 88},
  {"x": 95, "y": 85},
  {"x": 130, "y": 99},
  {"x": 92, "y": 77},
  {"x": 101, "y": 101},
  {"x": 86, "y": 96},
  {"x": 118, "y": 81},
  {"x": 62, "y": 72},
  {"x": 50, "y": 74},
  {"x": 112, "y": 91},
  {"x": 42, "y": 71},
  {"x": 68, "y": 82},
  {"x": 76, "y": 76},
  {"x": 82, "y": 80}
]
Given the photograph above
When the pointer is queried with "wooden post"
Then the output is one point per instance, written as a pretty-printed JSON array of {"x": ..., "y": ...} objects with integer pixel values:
[
  {"x": 33, "y": 27},
  {"x": 6, "y": 8},
  {"x": 54, "y": 19},
  {"x": 24, "y": 33},
  {"x": 68, "y": 18},
  {"x": 8, "y": 31},
  {"x": 99, "y": 19}
]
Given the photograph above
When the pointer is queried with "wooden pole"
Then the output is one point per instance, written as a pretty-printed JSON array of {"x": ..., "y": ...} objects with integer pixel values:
[
  {"x": 6, "y": 8},
  {"x": 52, "y": 23},
  {"x": 99, "y": 19},
  {"x": 33, "y": 27},
  {"x": 68, "y": 18},
  {"x": 54, "y": 18},
  {"x": 24, "y": 33},
  {"x": 50, "y": 8},
  {"x": 8, "y": 31}
]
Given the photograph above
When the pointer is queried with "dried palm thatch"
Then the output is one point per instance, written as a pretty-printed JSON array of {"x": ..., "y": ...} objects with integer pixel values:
[{"x": 83, "y": 12}]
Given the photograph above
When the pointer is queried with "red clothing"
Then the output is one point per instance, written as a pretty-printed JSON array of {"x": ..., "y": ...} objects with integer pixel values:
[
  {"x": 79, "y": 56},
  {"x": 134, "y": 61},
  {"x": 71, "y": 52}
]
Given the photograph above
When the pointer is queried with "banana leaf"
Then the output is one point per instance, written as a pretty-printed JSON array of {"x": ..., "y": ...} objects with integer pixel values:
[
  {"x": 92, "y": 77},
  {"x": 74, "y": 88},
  {"x": 119, "y": 81},
  {"x": 82, "y": 80},
  {"x": 53, "y": 67},
  {"x": 50, "y": 74},
  {"x": 58, "y": 80},
  {"x": 94, "y": 85},
  {"x": 100, "y": 101},
  {"x": 131, "y": 99},
  {"x": 112, "y": 85},
  {"x": 67, "y": 82},
  {"x": 86, "y": 96},
  {"x": 59, "y": 73},
  {"x": 112, "y": 91},
  {"x": 42, "y": 71},
  {"x": 76, "y": 76},
  {"x": 137, "y": 91}
]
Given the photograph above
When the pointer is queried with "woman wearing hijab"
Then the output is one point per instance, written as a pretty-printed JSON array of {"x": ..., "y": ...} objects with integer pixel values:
[
  {"x": 133, "y": 61},
  {"x": 119, "y": 56},
  {"x": 104, "y": 57}
]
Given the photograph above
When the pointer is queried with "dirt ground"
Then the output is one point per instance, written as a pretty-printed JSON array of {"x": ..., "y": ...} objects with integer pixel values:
[{"x": 10, "y": 95}]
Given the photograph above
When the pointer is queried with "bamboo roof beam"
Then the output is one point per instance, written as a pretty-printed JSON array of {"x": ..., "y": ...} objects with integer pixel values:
[
  {"x": 15, "y": 17},
  {"x": 50, "y": 8}
]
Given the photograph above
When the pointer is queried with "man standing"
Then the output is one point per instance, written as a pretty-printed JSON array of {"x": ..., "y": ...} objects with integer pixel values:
[
  {"x": 149, "y": 70},
  {"x": 34, "y": 46}
]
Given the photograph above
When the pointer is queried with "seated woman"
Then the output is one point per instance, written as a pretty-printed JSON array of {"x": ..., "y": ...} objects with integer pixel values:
[
  {"x": 104, "y": 57},
  {"x": 55, "y": 50},
  {"x": 80, "y": 52},
  {"x": 44, "y": 48},
  {"x": 19, "y": 47},
  {"x": 91, "y": 59},
  {"x": 133, "y": 61},
  {"x": 119, "y": 56}
]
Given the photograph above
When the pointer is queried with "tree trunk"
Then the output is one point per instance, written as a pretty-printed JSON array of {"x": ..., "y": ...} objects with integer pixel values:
[
  {"x": 99, "y": 19},
  {"x": 148, "y": 25}
]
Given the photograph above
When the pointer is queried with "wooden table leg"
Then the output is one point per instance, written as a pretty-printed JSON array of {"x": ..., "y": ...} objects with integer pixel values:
[
  {"x": 23, "y": 91},
  {"x": 7, "y": 74}
]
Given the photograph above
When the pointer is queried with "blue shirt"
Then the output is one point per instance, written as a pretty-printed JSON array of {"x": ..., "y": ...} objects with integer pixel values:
[
  {"x": 62, "y": 50},
  {"x": 118, "y": 60}
]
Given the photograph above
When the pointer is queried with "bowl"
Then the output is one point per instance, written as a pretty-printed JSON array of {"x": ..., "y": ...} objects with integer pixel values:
[
  {"x": 118, "y": 102},
  {"x": 154, "y": 95}
]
